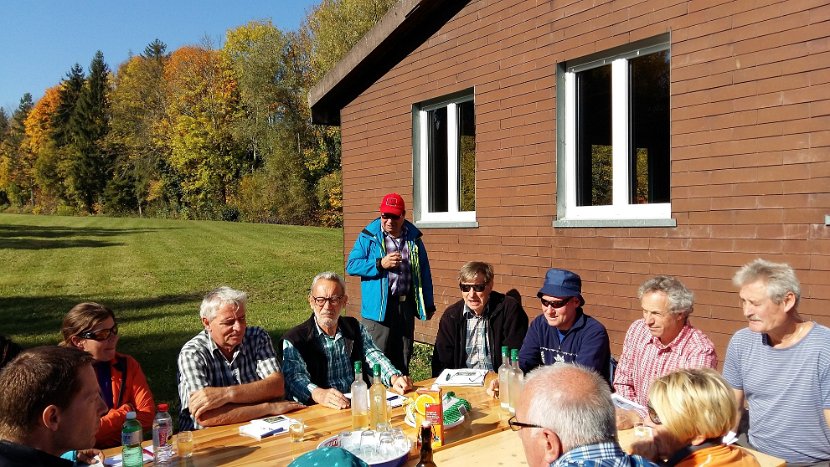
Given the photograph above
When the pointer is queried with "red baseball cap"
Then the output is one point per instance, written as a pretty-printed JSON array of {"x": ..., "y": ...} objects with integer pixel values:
[{"x": 392, "y": 204}]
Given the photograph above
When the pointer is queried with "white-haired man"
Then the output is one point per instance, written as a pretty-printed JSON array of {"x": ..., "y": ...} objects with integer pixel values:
[
  {"x": 565, "y": 417},
  {"x": 780, "y": 363},
  {"x": 662, "y": 342},
  {"x": 229, "y": 372}
]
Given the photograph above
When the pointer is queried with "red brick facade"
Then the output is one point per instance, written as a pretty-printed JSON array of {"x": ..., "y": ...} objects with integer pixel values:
[{"x": 750, "y": 151}]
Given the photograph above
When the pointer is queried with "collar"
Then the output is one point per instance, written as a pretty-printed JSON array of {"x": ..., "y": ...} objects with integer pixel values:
[
  {"x": 469, "y": 314},
  {"x": 402, "y": 237},
  {"x": 321, "y": 333},
  {"x": 686, "y": 451},
  {"x": 596, "y": 452},
  {"x": 215, "y": 348},
  {"x": 680, "y": 337}
]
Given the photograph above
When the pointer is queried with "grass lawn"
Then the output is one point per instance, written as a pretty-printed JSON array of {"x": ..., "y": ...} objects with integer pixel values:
[{"x": 153, "y": 274}]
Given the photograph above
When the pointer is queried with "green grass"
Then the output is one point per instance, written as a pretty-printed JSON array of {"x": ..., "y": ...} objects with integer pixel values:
[{"x": 153, "y": 274}]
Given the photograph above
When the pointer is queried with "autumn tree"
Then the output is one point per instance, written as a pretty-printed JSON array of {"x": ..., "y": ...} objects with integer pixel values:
[
  {"x": 16, "y": 177},
  {"x": 40, "y": 142},
  {"x": 201, "y": 101}
]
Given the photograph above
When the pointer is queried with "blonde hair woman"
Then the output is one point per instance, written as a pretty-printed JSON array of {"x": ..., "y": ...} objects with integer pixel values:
[{"x": 691, "y": 410}]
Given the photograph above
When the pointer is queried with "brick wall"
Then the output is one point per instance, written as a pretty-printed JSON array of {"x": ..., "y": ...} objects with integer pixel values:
[{"x": 750, "y": 106}]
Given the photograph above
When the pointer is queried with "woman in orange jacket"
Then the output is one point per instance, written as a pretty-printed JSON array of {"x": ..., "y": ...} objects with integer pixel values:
[{"x": 92, "y": 327}]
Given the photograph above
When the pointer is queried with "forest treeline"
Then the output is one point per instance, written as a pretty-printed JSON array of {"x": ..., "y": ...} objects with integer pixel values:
[{"x": 200, "y": 132}]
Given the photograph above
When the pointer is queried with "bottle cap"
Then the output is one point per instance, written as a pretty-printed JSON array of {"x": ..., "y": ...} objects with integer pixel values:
[
  {"x": 504, "y": 350},
  {"x": 358, "y": 367},
  {"x": 163, "y": 407},
  {"x": 426, "y": 424},
  {"x": 376, "y": 369},
  {"x": 130, "y": 415}
]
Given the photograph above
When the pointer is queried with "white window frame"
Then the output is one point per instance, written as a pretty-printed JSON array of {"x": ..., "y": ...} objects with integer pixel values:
[
  {"x": 620, "y": 209},
  {"x": 453, "y": 217}
]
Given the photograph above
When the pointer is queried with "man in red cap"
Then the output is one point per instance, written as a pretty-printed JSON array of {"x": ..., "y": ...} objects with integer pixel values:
[{"x": 395, "y": 280}]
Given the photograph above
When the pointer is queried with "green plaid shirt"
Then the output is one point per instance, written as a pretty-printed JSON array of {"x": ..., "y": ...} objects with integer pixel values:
[{"x": 340, "y": 374}]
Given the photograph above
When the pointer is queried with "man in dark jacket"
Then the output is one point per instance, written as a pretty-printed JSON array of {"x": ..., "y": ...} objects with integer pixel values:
[{"x": 472, "y": 331}]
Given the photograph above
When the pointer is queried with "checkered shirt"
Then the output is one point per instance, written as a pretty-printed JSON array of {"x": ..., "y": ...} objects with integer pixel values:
[
  {"x": 644, "y": 358},
  {"x": 400, "y": 278},
  {"x": 340, "y": 374},
  {"x": 478, "y": 349},
  {"x": 606, "y": 454},
  {"x": 201, "y": 365}
]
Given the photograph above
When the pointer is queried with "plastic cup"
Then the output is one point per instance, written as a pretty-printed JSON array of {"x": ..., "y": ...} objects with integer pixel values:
[{"x": 184, "y": 444}]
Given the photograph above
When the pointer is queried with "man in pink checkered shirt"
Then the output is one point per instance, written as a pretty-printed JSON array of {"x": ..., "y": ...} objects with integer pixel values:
[{"x": 661, "y": 342}]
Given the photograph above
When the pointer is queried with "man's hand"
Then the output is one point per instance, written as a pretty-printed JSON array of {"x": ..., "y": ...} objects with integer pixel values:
[
  {"x": 392, "y": 260},
  {"x": 626, "y": 418},
  {"x": 493, "y": 388},
  {"x": 89, "y": 456},
  {"x": 330, "y": 398},
  {"x": 206, "y": 399},
  {"x": 401, "y": 384},
  {"x": 281, "y": 407}
]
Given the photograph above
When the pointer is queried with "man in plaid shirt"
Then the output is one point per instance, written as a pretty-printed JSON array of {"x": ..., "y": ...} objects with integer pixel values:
[
  {"x": 565, "y": 417},
  {"x": 229, "y": 372},
  {"x": 318, "y": 354},
  {"x": 662, "y": 342}
]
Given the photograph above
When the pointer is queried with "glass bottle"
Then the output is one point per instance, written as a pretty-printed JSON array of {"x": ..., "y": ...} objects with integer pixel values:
[
  {"x": 377, "y": 399},
  {"x": 425, "y": 438},
  {"x": 515, "y": 381},
  {"x": 360, "y": 399},
  {"x": 504, "y": 371}
]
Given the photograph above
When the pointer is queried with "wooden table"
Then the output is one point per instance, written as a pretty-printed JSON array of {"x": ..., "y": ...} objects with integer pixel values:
[{"x": 223, "y": 446}]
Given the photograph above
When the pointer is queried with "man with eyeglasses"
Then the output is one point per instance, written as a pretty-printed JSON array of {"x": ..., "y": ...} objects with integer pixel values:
[
  {"x": 318, "y": 354},
  {"x": 395, "y": 280},
  {"x": 229, "y": 372},
  {"x": 472, "y": 330},
  {"x": 563, "y": 333},
  {"x": 663, "y": 341},
  {"x": 565, "y": 417}
]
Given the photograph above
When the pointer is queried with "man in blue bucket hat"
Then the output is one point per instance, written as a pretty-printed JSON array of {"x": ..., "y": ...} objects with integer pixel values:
[{"x": 563, "y": 332}]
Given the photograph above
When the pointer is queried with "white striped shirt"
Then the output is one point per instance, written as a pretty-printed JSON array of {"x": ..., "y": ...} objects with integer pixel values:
[{"x": 788, "y": 391}]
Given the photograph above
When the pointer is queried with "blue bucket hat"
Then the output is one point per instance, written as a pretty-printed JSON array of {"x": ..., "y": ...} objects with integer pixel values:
[{"x": 562, "y": 283}]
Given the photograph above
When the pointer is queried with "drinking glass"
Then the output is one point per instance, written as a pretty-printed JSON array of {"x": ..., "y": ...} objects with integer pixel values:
[
  {"x": 297, "y": 430},
  {"x": 386, "y": 447},
  {"x": 349, "y": 441},
  {"x": 368, "y": 443},
  {"x": 184, "y": 443}
]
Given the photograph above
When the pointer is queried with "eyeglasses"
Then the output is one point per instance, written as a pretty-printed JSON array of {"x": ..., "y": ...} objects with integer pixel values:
[
  {"x": 389, "y": 216},
  {"x": 516, "y": 425},
  {"x": 477, "y": 287},
  {"x": 100, "y": 335},
  {"x": 653, "y": 414},
  {"x": 334, "y": 300},
  {"x": 555, "y": 303}
]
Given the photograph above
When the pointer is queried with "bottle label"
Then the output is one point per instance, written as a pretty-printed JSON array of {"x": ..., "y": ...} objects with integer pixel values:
[{"x": 130, "y": 438}]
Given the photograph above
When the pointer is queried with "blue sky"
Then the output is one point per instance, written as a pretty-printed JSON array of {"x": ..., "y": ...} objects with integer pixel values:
[{"x": 42, "y": 39}]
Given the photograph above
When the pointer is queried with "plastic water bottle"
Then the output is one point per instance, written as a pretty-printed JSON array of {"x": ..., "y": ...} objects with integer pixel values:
[
  {"x": 360, "y": 399},
  {"x": 162, "y": 437},
  {"x": 504, "y": 371},
  {"x": 131, "y": 442},
  {"x": 515, "y": 381}
]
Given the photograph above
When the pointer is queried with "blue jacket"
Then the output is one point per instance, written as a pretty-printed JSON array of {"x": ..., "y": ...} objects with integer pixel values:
[
  {"x": 363, "y": 261},
  {"x": 585, "y": 343}
]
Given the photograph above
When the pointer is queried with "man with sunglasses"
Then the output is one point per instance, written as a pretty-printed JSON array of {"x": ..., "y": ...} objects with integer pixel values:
[
  {"x": 472, "y": 330},
  {"x": 565, "y": 417},
  {"x": 318, "y": 354},
  {"x": 395, "y": 280},
  {"x": 563, "y": 333},
  {"x": 229, "y": 372}
]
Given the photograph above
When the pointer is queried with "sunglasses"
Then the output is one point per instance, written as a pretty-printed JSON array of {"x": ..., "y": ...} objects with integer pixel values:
[
  {"x": 477, "y": 287},
  {"x": 100, "y": 335},
  {"x": 653, "y": 414},
  {"x": 555, "y": 303},
  {"x": 389, "y": 216}
]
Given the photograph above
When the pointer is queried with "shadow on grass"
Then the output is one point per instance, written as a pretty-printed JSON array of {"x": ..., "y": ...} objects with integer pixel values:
[
  {"x": 36, "y": 237},
  {"x": 34, "y": 316}
]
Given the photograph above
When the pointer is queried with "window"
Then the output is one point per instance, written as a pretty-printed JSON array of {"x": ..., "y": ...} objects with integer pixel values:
[
  {"x": 445, "y": 161},
  {"x": 615, "y": 138}
]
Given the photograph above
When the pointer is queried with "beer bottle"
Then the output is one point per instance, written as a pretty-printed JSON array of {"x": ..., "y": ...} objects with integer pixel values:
[{"x": 426, "y": 446}]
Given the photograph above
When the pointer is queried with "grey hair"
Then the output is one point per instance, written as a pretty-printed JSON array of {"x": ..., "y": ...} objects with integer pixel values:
[
  {"x": 572, "y": 401},
  {"x": 779, "y": 277},
  {"x": 216, "y": 298},
  {"x": 469, "y": 271},
  {"x": 681, "y": 299},
  {"x": 328, "y": 276}
]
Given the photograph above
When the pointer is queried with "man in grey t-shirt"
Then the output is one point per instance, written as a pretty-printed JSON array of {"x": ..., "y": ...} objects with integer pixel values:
[{"x": 780, "y": 364}]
